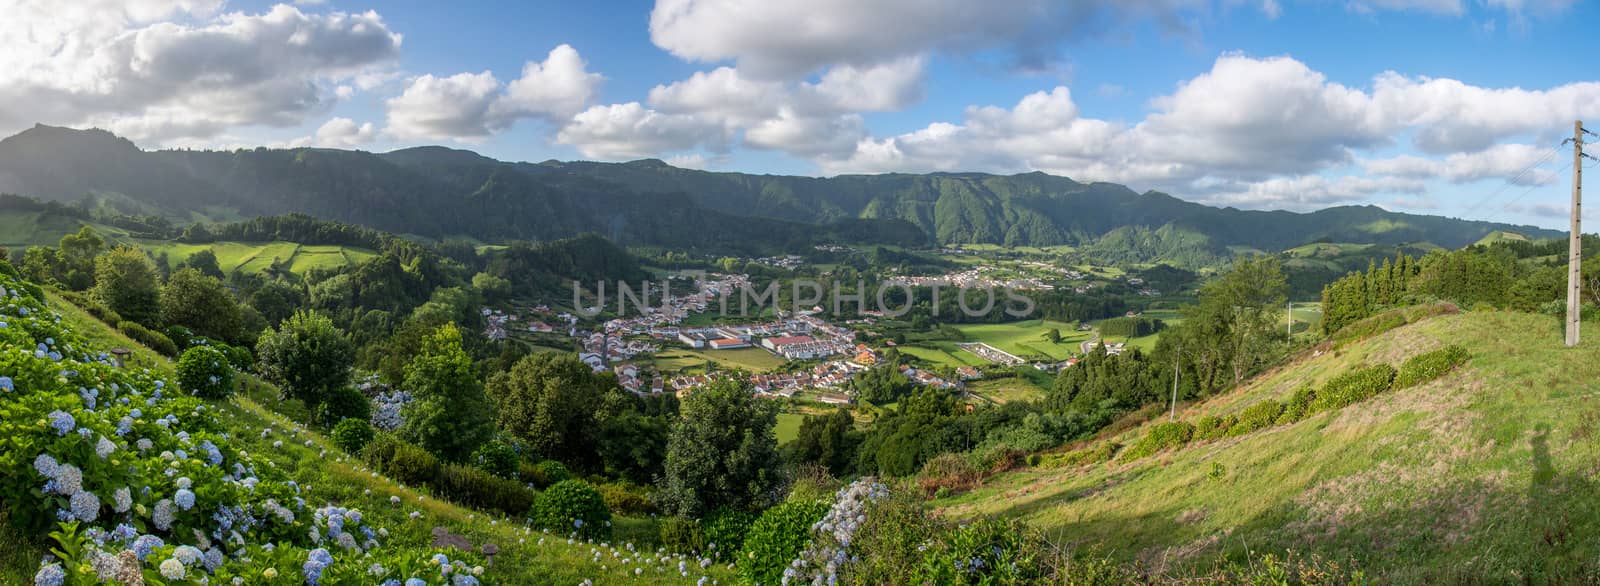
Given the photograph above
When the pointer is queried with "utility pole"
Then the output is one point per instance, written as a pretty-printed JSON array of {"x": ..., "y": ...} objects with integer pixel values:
[
  {"x": 1288, "y": 312},
  {"x": 1173, "y": 416},
  {"x": 1575, "y": 247}
]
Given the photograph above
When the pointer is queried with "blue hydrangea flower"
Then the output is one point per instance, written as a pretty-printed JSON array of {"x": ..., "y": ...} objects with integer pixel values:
[
  {"x": 85, "y": 506},
  {"x": 6, "y": 384},
  {"x": 144, "y": 544},
  {"x": 49, "y": 575},
  {"x": 46, "y": 465},
  {"x": 62, "y": 421},
  {"x": 185, "y": 498}
]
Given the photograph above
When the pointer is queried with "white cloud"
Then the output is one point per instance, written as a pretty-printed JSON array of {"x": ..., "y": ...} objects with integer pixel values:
[
  {"x": 1442, "y": 7},
  {"x": 338, "y": 133},
  {"x": 1262, "y": 130},
  {"x": 472, "y": 106},
  {"x": 809, "y": 136},
  {"x": 631, "y": 131},
  {"x": 455, "y": 107},
  {"x": 723, "y": 93},
  {"x": 883, "y": 87},
  {"x": 791, "y": 38},
  {"x": 161, "y": 71}
]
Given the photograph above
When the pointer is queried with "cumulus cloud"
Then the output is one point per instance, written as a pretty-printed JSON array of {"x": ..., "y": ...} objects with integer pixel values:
[
  {"x": 162, "y": 71},
  {"x": 472, "y": 106},
  {"x": 339, "y": 133},
  {"x": 1252, "y": 130},
  {"x": 631, "y": 131},
  {"x": 791, "y": 38}
]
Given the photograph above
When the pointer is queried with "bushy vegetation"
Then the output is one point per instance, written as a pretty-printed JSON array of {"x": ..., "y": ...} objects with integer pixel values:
[
  {"x": 1258, "y": 416},
  {"x": 1427, "y": 366},
  {"x": 1352, "y": 387},
  {"x": 205, "y": 372},
  {"x": 497, "y": 458},
  {"x": 572, "y": 507},
  {"x": 776, "y": 538},
  {"x": 1161, "y": 436},
  {"x": 155, "y": 340},
  {"x": 352, "y": 435}
]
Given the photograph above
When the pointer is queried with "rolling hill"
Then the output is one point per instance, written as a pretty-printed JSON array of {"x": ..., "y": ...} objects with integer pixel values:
[
  {"x": 438, "y": 192},
  {"x": 1486, "y": 475}
]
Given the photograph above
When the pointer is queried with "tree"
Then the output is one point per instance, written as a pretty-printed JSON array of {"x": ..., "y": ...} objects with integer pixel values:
[
  {"x": 722, "y": 451},
  {"x": 307, "y": 356},
  {"x": 1243, "y": 306},
  {"x": 126, "y": 281},
  {"x": 1053, "y": 335},
  {"x": 448, "y": 415},
  {"x": 200, "y": 303},
  {"x": 78, "y": 252},
  {"x": 494, "y": 289},
  {"x": 828, "y": 440},
  {"x": 204, "y": 261},
  {"x": 276, "y": 300},
  {"x": 548, "y": 401}
]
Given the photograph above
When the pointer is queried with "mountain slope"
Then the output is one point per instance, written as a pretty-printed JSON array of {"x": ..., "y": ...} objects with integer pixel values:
[
  {"x": 1485, "y": 475},
  {"x": 437, "y": 192}
]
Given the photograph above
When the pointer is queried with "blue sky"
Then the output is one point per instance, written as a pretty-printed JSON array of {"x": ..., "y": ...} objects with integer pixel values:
[{"x": 1430, "y": 106}]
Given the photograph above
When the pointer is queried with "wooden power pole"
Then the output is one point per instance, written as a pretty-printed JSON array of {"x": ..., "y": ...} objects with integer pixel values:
[{"x": 1575, "y": 248}]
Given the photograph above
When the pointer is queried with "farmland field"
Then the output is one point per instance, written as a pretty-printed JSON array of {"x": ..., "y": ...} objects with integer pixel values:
[
  {"x": 751, "y": 359},
  {"x": 1026, "y": 339},
  {"x": 1006, "y": 390},
  {"x": 259, "y": 256}
]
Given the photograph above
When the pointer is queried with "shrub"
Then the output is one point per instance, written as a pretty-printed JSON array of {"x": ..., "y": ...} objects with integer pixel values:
[
  {"x": 341, "y": 404},
  {"x": 777, "y": 538},
  {"x": 547, "y": 473},
  {"x": 182, "y": 336},
  {"x": 1298, "y": 407},
  {"x": 1353, "y": 387},
  {"x": 888, "y": 546},
  {"x": 725, "y": 529},
  {"x": 1162, "y": 436},
  {"x": 1096, "y": 454},
  {"x": 1258, "y": 416},
  {"x": 352, "y": 435},
  {"x": 401, "y": 460},
  {"x": 627, "y": 498},
  {"x": 989, "y": 551},
  {"x": 682, "y": 535},
  {"x": 204, "y": 372},
  {"x": 1213, "y": 427},
  {"x": 496, "y": 458},
  {"x": 1371, "y": 326},
  {"x": 239, "y": 356},
  {"x": 572, "y": 506},
  {"x": 950, "y": 471},
  {"x": 154, "y": 340},
  {"x": 1429, "y": 365},
  {"x": 475, "y": 488}
]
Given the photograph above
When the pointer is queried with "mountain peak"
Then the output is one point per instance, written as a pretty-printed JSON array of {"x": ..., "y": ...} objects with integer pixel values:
[{"x": 44, "y": 137}]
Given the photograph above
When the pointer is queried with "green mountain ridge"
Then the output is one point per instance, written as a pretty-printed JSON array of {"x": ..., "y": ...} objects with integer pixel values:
[{"x": 437, "y": 192}]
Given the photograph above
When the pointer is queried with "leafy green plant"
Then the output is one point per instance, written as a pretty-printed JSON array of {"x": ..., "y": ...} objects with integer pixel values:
[
  {"x": 341, "y": 404},
  {"x": 496, "y": 458},
  {"x": 1353, "y": 387},
  {"x": 1298, "y": 406},
  {"x": 154, "y": 340},
  {"x": 1429, "y": 365},
  {"x": 988, "y": 551},
  {"x": 546, "y": 473},
  {"x": 204, "y": 372},
  {"x": 352, "y": 435},
  {"x": 1161, "y": 436},
  {"x": 1258, "y": 416},
  {"x": 725, "y": 530},
  {"x": 777, "y": 537},
  {"x": 572, "y": 507},
  {"x": 682, "y": 535}
]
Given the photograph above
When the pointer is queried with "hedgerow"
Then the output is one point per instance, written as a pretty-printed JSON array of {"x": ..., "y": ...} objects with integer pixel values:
[
  {"x": 1161, "y": 436},
  {"x": 1353, "y": 387},
  {"x": 1429, "y": 365},
  {"x": 1258, "y": 416}
]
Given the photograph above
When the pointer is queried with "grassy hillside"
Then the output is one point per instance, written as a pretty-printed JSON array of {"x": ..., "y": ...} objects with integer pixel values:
[
  {"x": 1487, "y": 475},
  {"x": 259, "y": 256},
  {"x": 409, "y": 514}
]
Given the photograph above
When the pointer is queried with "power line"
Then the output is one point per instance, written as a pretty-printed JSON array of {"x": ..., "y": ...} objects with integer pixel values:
[
  {"x": 1507, "y": 206},
  {"x": 1548, "y": 156}
]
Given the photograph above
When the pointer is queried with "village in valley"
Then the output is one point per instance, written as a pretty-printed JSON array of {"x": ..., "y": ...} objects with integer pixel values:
[{"x": 678, "y": 342}]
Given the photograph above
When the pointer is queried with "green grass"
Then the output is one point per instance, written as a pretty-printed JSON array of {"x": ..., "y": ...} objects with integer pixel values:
[
  {"x": 1006, "y": 390},
  {"x": 258, "y": 256},
  {"x": 788, "y": 427},
  {"x": 329, "y": 475},
  {"x": 941, "y": 356},
  {"x": 1026, "y": 338},
  {"x": 19, "y": 229},
  {"x": 1484, "y": 475},
  {"x": 751, "y": 359}
]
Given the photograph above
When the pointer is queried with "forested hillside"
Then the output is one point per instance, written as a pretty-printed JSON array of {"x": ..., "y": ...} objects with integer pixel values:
[{"x": 437, "y": 192}]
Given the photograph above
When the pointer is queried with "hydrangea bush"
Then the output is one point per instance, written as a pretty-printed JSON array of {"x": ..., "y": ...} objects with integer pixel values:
[
  {"x": 205, "y": 372},
  {"x": 142, "y": 484}
]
